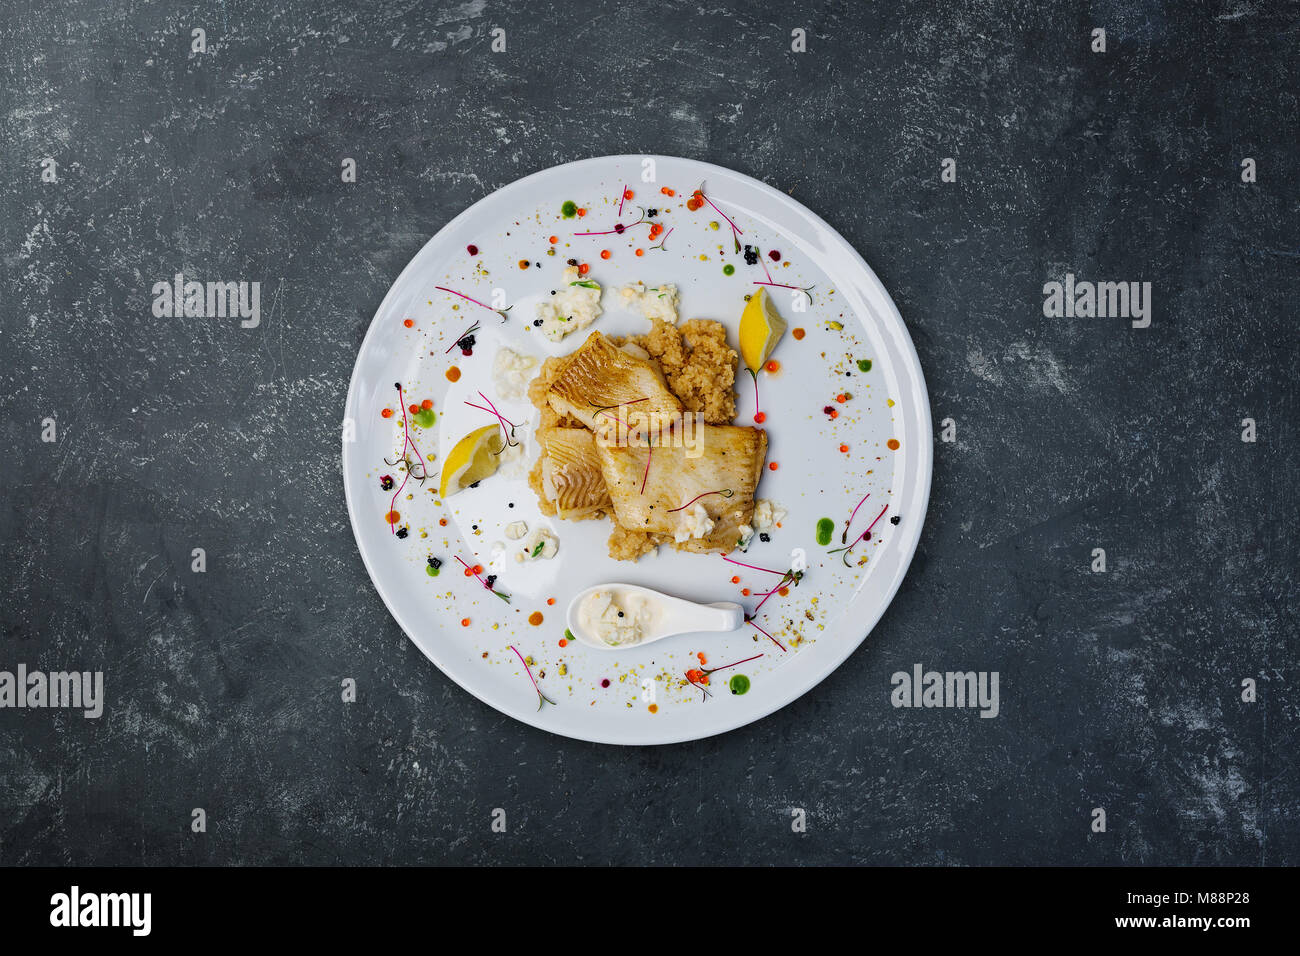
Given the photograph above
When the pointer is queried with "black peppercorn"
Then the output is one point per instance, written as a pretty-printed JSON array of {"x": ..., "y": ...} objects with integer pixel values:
[
  {"x": 435, "y": 563},
  {"x": 402, "y": 532},
  {"x": 537, "y": 321},
  {"x": 764, "y": 536},
  {"x": 386, "y": 482},
  {"x": 895, "y": 519},
  {"x": 491, "y": 580}
]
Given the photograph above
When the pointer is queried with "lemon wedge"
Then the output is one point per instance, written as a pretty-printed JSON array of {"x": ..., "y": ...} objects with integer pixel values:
[
  {"x": 761, "y": 327},
  {"x": 475, "y": 457}
]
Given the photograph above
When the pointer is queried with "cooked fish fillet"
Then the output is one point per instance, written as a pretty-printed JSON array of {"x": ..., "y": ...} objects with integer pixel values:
[
  {"x": 730, "y": 458},
  {"x": 601, "y": 384},
  {"x": 572, "y": 479}
]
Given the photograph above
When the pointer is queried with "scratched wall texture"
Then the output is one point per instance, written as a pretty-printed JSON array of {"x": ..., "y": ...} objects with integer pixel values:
[{"x": 1119, "y": 690}]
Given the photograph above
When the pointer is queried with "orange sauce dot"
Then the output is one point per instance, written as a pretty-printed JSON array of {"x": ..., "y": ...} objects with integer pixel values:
[
  {"x": 523, "y": 263},
  {"x": 581, "y": 212},
  {"x": 773, "y": 366},
  {"x": 409, "y": 322},
  {"x": 653, "y": 708},
  {"x": 564, "y": 642},
  {"x": 628, "y": 194},
  {"x": 554, "y": 239},
  {"x": 783, "y": 592},
  {"x": 844, "y": 448},
  {"x": 453, "y": 374},
  {"x": 841, "y": 398},
  {"x": 735, "y": 579},
  {"x": 834, "y": 413},
  {"x": 550, "y": 601},
  {"x": 760, "y": 417},
  {"x": 478, "y": 569},
  {"x": 640, "y": 252},
  {"x": 464, "y": 622},
  {"x": 798, "y": 334},
  {"x": 393, "y": 517},
  {"x": 413, "y": 408},
  {"x": 442, "y": 522},
  {"x": 773, "y": 466},
  {"x": 427, "y": 403},
  {"x": 535, "y": 618},
  {"x": 468, "y": 572},
  {"x": 387, "y": 413},
  {"x": 604, "y": 253},
  {"x": 701, "y": 658},
  {"x": 893, "y": 444},
  {"x": 583, "y": 269},
  {"x": 745, "y": 591}
]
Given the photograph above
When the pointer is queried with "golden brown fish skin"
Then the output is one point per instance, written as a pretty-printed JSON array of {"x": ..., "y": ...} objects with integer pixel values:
[
  {"x": 731, "y": 457},
  {"x": 574, "y": 471},
  {"x": 601, "y": 384}
]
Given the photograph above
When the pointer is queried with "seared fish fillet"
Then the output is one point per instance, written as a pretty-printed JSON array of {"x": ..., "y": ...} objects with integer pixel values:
[
  {"x": 602, "y": 385},
  {"x": 571, "y": 473},
  {"x": 730, "y": 457}
]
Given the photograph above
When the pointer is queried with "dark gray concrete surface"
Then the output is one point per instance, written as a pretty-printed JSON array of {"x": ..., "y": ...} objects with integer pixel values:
[{"x": 1119, "y": 690}]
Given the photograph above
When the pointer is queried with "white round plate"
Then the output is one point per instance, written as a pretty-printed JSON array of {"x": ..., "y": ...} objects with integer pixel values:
[{"x": 640, "y": 695}]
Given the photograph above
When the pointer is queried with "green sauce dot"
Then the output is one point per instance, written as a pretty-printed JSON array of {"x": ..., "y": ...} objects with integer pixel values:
[
  {"x": 568, "y": 634},
  {"x": 739, "y": 684},
  {"x": 825, "y": 528},
  {"x": 864, "y": 365},
  {"x": 569, "y": 209},
  {"x": 431, "y": 570},
  {"x": 728, "y": 269}
]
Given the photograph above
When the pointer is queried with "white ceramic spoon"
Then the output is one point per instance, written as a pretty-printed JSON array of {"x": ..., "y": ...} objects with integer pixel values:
[{"x": 673, "y": 615}]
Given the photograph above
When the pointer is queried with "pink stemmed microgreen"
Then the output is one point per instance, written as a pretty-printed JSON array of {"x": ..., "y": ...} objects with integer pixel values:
[
  {"x": 622, "y": 195},
  {"x": 844, "y": 538},
  {"x": 700, "y": 682},
  {"x": 865, "y": 536},
  {"x": 736, "y": 231},
  {"x": 660, "y": 244},
  {"x": 407, "y": 443},
  {"x": 540, "y": 696},
  {"x": 461, "y": 338},
  {"x": 486, "y": 586},
  {"x": 753, "y": 567},
  {"x": 725, "y": 492},
  {"x": 806, "y": 290},
  {"x": 500, "y": 312},
  {"x": 619, "y": 228},
  {"x": 750, "y": 620},
  {"x": 507, "y": 426}
]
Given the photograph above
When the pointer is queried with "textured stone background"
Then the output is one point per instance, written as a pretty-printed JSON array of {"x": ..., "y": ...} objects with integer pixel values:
[{"x": 1119, "y": 690}]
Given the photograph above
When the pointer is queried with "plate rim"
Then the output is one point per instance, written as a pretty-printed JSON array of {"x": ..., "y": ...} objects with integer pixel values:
[{"x": 914, "y": 529}]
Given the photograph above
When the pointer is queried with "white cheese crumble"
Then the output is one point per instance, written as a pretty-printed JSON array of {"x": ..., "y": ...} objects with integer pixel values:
[
  {"x": 511, "y": 373},
  {"x": 516, "y": 530},
  {"x": 654, "y": 302},
  {"x": 746, "y": 532},
  {"x": 575, "y": 305},
  {"x": 542, "y": 543},
  {"x": 767, "y": 514},
  {"x": 695, "y": 524}
]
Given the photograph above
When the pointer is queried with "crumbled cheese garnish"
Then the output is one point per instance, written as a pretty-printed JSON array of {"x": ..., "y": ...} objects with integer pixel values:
[
  {"x": 511, "y": 373},
  {"x": 549, "y": 544},
  {"x": 516, "y": 530},
  {"x": 695, "y": 524},
  {"x": 767, "y": 514},
  {"x": 575, "y": 305},
  {"x": 654, "y": 302}
]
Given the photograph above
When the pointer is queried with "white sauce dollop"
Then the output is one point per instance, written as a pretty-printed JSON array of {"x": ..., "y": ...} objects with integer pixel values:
[{"x": 617, "y": 618}]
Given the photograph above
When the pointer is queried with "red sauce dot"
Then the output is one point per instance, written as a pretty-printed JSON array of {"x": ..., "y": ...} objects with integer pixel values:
[
  {"x": 760, "y": 417},
  {"x": 464, "y": 622},
  {"x": 427, "y": 403},
  {"x": 387, "y": 413},
  {"x": 773, "y": 366},
  {"x": 627, "y": 194},
  {"x": 409, "y": 322},
  {"x": 472, "y": 249},
  {"x": 775, "y": 256},
  {"x": 773, "y": 466},
  {"x": 745, "y": 591},
  {"x": 735, "y": 579},
  {"x": 604, "y": 253},
  {"x": 604, "y": 682}
]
